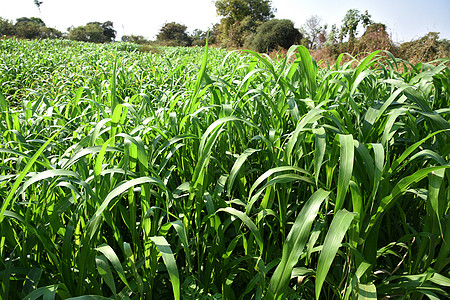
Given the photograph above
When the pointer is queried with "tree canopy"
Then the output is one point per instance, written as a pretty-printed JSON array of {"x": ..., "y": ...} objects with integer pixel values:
[
  {"x": 350, "y": 23},
  {"x": 233, "y": 11},
  {"x": 94, "y": 32},
  {"x": 274, "y": 33},
  {"x": 174, "y": 34}
]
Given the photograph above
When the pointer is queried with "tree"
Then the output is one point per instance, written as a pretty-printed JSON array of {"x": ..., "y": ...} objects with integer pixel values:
[
  {"x": 332, "y": 36},
  {"x": 375, "y": 38},
  {"x": 108, "y": 31},
  {"x": 51, "y": 33},
  {"x": 29, "y": 28},
  {"x": 350, "y": 23},
  {"x": 241, "y": 30},
  {"x": 78, "y": 33},
  {"x": 174, "y": 34},
  {"x": 313, "y": 29},
  {"x": 36, "y": 21},
  {"x": 233, "y": 11},
  {"x": 94, "y": 32},
  {"x": 274, "y": 33},
  {"x": 6, "y": 27},
  {"x": 198, "y": 37}
]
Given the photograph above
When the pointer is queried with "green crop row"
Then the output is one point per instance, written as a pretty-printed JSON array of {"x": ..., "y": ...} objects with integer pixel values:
[{"x": 207, "y": 174}]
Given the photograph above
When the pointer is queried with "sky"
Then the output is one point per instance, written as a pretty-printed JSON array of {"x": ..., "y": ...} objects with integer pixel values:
[{"x": 405, "y": 19}]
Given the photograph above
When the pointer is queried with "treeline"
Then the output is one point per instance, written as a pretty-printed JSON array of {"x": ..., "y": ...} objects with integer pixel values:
[
  {"x": 251, "y": 24},
  {"x": 35, "y": 28},
  {"x": 244, "y": 24},
  {"x": 28, "y": 28}
]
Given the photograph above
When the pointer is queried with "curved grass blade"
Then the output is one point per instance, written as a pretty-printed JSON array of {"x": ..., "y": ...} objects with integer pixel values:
[
  {"x": 310, "y": 69},
  {"x": 331, "y": 244},
  {"x": 47, "y": 292},
  {"x": 109, "y": 253},
  {"x": 93, "y": 224},
  {"x": 294, "y": 244},
  {"x": 105, "y": 272},
  {"x": 319, "y": 153},
  {"x": 345, "y": 168},
  {"x": 237, "y": 167},
  {"x": 400, "y": 188},
  {"x": 367, "y": 291},
  {"x": 247, "y": 221},
  {"x": 169, "y": 261}
]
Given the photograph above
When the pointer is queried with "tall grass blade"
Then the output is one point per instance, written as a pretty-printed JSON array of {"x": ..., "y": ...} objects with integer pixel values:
[
  {"x": 331, "y": 244},
  {"x": 294, "y": 244},
  {"x": 345, "y": 168},
  {"x": 169, "y": 261}
]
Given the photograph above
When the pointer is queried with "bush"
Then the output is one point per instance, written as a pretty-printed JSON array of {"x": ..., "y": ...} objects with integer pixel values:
[
  {"x": 27, "y": 30},
  {"x": 137, "y": 39},
  {"x": 94, "y": 32},
  {"x": 374, "y": 38},
  {"x": 6, "y": 27},
  {"x": 425, "y": 49},
  {"x": 173, "y": 34},
  {"x": 240, "y": 31},
  {"x": 272, "y": 34}
]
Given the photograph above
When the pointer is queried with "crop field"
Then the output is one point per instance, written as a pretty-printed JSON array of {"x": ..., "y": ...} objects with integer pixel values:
[{"x": 199, "y": 173}]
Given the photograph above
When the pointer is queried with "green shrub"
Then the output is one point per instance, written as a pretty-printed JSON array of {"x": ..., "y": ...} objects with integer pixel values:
[
  {"x": 6, "y": 27},
  {"x": 173, "y": 34},
  {"x": 272, "y": 34}
]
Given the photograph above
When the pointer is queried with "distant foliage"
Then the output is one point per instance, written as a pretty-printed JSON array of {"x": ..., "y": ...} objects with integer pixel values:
[
  {"x": 28, "y": 28},
  {"x": 272, "y": 34},
  {"x": 241, "y": 18},
  {"x": 315, "y": 31},
  {"x": 174, "y": 34},
  {"x": 350, "y": 23},
  {"x": 198, "y": 37},
  {"x": 38, "y": 4},
  {"x": 137, "y": 39},
  {"x": 94, "y": 32},
  {"x": 426, "y": 48},
  {"x": 240, "y": 31},
  {"x": 6, "y": 27},
  {"x": 375, "y": 38}
]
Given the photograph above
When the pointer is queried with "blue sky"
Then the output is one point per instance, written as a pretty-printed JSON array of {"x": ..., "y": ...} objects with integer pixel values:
[{"x": 406, "y": 19}]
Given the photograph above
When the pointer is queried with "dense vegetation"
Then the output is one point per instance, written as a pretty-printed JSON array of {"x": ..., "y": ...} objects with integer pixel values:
[{"x": 217, "y": 174}]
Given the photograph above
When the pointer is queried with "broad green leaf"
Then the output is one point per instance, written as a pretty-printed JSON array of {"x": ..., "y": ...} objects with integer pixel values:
[
  {"x": 319, "y": 153},
  {"x": 46, "y": 292},
  {"x": 399, "y": 189}
]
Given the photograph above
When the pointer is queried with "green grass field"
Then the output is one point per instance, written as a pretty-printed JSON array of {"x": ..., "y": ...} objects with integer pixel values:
[{"x": 207, "y": 174}]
